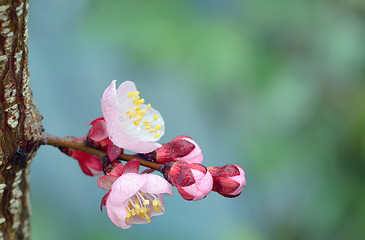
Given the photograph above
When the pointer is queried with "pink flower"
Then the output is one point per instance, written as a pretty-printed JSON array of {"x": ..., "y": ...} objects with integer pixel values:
[
  {"x": 89, "y": 163},
  {"x": 130, "y": 123},
  {"x": 182, "y": 149},
  {"x": 228, "y": 180},
  {"x": 193, "y": 181},
  {"x": 133, "y": 198}
]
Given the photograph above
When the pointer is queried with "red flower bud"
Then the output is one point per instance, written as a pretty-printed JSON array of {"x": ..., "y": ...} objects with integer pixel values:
[
  {"x": 182, "y": 149},
  {"x": 228, "y": 180},
  {"x": 98, "y": 138},
  {"x": 90, "y": 164},
  {"x": 193, "y": 181},
  {"x": 98, "y": 130}
]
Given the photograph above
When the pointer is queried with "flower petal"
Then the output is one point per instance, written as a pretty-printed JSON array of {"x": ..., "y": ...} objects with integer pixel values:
[
  {"x": 206, "y": 183},
  {"x": 89, "y": 163},
  {"x": 106, "y": 182},
  {"x": 98, "y": 130},
  {"x": 131, "y": 166},
  {"x": 127, "y": 185},
  {"x": 185, "y": 195},
  {"x": 122, "y": 190},
  {"x": 113, "y": 151},
  {"x": 109, "y": 101},
  {"x": 240, "y": 179},
  {"x": 117, "y": 211},
  {"x": 103, "y": 201},
  {"x": 202, "y": 187},
  {"x": 121, "y": 139},
  {"x": 162, "y": 207},
  {"x": 123, "y": 89},
  {"x": 156, "y": 185},
  {"x": 117, "y": 170},
  {"x": 195, "y": 156},
  {"x": 154, "y": 118},
  {"x": 226, "y": 186}
]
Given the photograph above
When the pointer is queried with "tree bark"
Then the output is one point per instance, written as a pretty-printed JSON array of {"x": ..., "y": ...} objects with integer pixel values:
[{"x": 20, "y": 121}]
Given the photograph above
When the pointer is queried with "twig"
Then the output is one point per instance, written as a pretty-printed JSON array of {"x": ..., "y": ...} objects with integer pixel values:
[{"x": 72, "y": 142}]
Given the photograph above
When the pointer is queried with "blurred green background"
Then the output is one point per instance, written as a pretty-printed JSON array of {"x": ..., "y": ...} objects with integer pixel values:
[{"x": 277, "y": 87}]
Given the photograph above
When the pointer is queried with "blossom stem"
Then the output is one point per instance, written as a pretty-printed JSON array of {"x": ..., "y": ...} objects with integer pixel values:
[{"x": 72, "y": 142}]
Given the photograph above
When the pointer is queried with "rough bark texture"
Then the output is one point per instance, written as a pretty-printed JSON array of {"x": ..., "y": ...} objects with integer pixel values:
[{"x": 20, "y": 121}]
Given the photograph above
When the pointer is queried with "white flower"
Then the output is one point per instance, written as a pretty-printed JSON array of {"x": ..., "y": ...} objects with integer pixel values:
[{"x": 131, "y": 124}]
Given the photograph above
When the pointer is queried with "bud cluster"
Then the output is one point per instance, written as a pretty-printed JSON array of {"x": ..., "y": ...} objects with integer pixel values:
[{"x": 133, "y": 197}]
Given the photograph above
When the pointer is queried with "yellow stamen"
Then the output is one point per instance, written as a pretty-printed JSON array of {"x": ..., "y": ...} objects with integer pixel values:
[
  {"x": 130, "y": 94},
  {"x": 141, "y": 205},
  {"x": 136, "y": 122},
  {"x": 152, "y": 130},
  {"x": 157, "y": 209},
  {"x": 155, "y": 118},
  {"x": 141, "y": 101},
  {"x": 138, "y": 208},
  {"x": 145, "y": 122},
  {"x": 147, "y": 127},
  {"x": 128, "y": 214},
  {"x": 149, "y": 106},
  {"x": 158, "y": 127},
  {"x": 157, "y": 135},
  {"x": 135, "y": 93}
]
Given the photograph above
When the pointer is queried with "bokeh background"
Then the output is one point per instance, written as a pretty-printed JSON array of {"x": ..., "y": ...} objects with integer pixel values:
[{"x": 275, "y": 86}]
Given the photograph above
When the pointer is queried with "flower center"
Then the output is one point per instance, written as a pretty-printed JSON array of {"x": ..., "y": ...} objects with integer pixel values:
[
  {"x": 141, "y": 205},
  {"x": 139, "y": 112}
]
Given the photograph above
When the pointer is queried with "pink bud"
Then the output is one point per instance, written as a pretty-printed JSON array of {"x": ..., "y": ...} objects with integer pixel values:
[
  {"x": 98, "y": 138},
  {"x": 193, "y": 181},
  {"x": 182, "y": 149},
  {"x": 228, "y": 180},
  {"x": 98, "y": 130},
  {"x": 89, "y": 163}
]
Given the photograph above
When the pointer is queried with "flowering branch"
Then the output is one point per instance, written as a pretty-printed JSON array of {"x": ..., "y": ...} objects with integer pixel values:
[
  {"x": 74, "y": 143},
  {"x": 130, "y": 124}
]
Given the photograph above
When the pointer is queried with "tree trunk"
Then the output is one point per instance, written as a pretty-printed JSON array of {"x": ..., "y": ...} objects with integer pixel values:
[{"x": 20, "y": 121}]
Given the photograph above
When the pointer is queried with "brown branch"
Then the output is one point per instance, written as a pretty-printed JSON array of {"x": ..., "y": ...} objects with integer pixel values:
[{"x": 72, "y": 142}]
